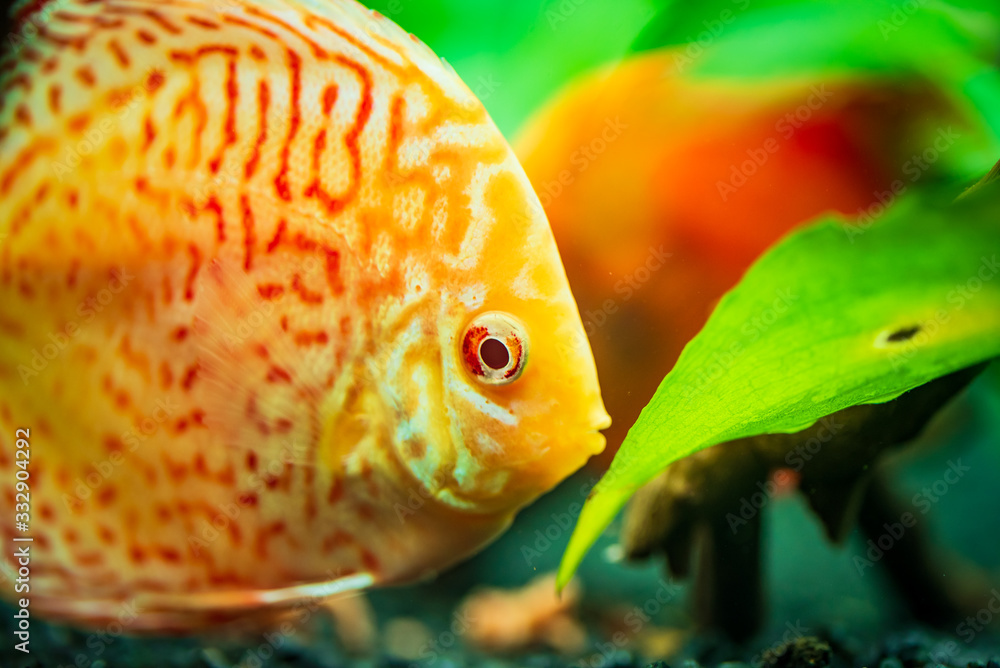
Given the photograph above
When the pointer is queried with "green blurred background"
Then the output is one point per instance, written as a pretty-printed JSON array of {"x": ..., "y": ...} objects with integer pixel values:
[{"x": 514, "y": 54}]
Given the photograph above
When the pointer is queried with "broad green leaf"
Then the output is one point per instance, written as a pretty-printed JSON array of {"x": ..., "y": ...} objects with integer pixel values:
[{"x": 835, "y": 315}]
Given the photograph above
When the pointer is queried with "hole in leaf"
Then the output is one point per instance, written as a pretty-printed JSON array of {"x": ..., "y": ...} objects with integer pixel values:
[{"x": 904, "y": 334}]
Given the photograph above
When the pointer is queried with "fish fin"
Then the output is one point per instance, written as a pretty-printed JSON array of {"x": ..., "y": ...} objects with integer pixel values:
[
  {"x": 235, "y": 599},
  {"x": 185, "y": 612},
  {"x": 263, "y": 393}
]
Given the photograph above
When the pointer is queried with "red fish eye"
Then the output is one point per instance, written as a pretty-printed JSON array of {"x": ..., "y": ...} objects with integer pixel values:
[{"x": 495, "y": 348}]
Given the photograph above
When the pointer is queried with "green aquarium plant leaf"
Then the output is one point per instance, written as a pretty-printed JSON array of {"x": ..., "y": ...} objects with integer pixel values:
[{"x": 835, "y": 315}]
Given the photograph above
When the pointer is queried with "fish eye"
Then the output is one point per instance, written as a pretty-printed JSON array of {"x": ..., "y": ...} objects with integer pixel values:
[{"x": 495, "y": 348}]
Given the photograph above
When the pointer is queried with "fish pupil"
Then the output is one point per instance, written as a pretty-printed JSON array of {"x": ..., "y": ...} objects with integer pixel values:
[{"x": 494, "y": 353}]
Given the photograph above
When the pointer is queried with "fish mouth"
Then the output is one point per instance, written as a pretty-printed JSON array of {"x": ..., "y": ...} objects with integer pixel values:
[
  {"x": 597, "y": 441},
  {"x": 602, "y": 422},
  {"x": 599, "y": 418},
  {"x": 594, "y": 440}
]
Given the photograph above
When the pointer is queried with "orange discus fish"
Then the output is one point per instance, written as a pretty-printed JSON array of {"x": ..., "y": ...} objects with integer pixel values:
[{"x": 280, "y": 314}]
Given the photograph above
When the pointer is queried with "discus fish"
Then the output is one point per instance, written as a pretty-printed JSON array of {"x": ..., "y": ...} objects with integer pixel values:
[{"x": 280, "y": 314}]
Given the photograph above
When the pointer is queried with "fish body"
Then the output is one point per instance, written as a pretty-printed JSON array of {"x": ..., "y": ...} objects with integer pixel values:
[
  {"x": 662, "y": 186},
  {"x": 279, "y": 309}
]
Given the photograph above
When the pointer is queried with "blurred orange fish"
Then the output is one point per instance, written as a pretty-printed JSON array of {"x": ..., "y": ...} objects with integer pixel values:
[{"x": 662, "y": 187}]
